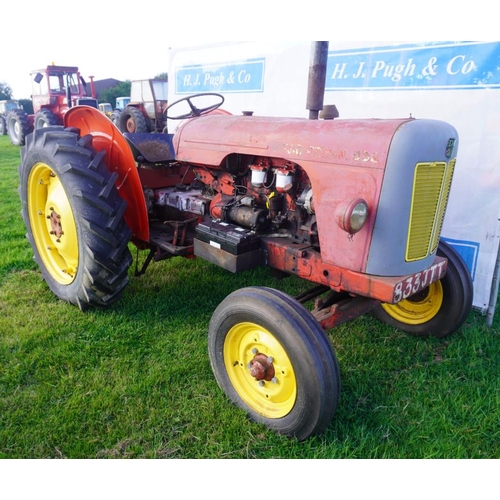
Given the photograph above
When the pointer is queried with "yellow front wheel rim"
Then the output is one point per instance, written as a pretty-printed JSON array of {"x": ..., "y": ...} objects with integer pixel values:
[
  {"x": 52, "y": 223},
  {"x": 248, "y": 345},
  {"x": 420, "y": 308}
]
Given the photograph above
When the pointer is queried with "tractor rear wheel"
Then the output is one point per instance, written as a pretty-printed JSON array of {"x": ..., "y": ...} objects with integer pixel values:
[
  {"x": 440, "y": 309},
  {"x": 74, "y": 217},
  {"x": 133, "y": 121},
  {"x": 45, "y": 118},
  {"x": 18, "y": 126},
  {"x": 3, "y": 126},
  {"x": 272, "y": 359}
]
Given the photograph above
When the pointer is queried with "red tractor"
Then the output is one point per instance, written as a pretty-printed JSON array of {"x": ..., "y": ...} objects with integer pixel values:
[
  {"x": 55, "y": 90},
  {"x": 355, "y": 207},
  {"x": 145, "y": 112}
]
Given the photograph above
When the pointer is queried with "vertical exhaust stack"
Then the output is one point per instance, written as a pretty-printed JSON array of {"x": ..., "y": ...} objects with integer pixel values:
[{"x": 317, "y": 79}]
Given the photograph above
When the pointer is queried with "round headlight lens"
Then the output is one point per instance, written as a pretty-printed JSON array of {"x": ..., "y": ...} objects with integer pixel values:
[
  {"x": 352, "y": 215},
  {"x": 358, "y": 216}
]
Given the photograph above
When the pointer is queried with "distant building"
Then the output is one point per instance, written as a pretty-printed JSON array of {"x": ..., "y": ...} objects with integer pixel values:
[{"x": 102, "y": 85}]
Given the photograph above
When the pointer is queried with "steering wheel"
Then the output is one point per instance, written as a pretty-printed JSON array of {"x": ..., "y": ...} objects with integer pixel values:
[{"x": 194, "y": 110}]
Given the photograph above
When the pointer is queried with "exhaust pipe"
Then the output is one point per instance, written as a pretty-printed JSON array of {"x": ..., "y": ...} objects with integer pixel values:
[{"x": 317, "y": 79}]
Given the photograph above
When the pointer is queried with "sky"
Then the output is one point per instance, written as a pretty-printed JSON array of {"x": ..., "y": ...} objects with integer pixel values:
[{"x": 128, "y": 41}]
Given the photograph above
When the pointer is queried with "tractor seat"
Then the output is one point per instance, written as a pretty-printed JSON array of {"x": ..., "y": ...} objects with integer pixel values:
[{"x": 151, "y": 148}]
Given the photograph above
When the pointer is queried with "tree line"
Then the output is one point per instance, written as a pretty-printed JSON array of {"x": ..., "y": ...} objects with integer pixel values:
[{"x": 6, "y": 95}]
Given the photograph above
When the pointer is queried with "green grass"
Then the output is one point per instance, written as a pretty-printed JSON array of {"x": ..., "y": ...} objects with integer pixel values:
[{"x": 135, "y": 381}]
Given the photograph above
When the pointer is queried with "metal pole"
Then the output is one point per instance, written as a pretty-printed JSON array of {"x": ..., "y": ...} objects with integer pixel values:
[{"x": 494, "y": 292}]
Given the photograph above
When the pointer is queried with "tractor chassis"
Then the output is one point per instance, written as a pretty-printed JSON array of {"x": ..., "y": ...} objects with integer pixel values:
[{"x": 177, "y": 238}]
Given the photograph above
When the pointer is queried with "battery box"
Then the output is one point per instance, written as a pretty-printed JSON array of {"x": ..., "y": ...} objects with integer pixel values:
[{"x": 229, "y": 246}]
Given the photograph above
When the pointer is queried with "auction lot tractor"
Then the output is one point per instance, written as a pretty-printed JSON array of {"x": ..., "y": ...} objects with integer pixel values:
[
  {"x": 55, "y": 90},
  {"x": 355, "y": 207},
  {"x": 145, "y": 110}
]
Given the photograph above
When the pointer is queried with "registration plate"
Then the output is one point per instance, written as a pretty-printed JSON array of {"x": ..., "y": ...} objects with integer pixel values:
[{"x": 418, "y": 281}]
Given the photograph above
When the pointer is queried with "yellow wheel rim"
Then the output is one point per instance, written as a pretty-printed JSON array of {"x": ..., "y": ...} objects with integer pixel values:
[
  {"x": 244, "y": 343},
  {"x": 52, "y": 223},
  {"x": 420, "y": 308}
]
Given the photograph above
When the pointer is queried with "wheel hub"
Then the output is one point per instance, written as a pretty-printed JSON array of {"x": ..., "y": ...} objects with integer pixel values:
[
  {"x": 261, "y": 367},
  {"x": 55, "y": 224},
  {"x": 130, "y": 125}
]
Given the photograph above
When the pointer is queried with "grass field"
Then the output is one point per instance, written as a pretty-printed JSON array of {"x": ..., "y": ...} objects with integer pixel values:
[{"x": 134, "y": 381}]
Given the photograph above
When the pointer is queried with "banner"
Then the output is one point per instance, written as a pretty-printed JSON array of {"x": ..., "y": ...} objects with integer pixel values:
[{"x": 458, "y": 82}]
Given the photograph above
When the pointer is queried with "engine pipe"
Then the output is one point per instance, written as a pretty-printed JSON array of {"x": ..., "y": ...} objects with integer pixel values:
[{"x": 316, "y": 79}]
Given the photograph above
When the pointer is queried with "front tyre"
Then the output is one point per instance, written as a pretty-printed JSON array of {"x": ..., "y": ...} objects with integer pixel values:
[
  {"x": 272, "y": 359},
  {"x": 438, "y": 310},
  {"x": 45, "y": 118},
  {"x": 115, "y": 118},
  {"x": 74, "y": 217}
]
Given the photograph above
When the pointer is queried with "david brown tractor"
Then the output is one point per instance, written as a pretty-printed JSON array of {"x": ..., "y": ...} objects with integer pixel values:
[
  {"x": 355, "y": 207},
  {"x": 55, "y": 89}
]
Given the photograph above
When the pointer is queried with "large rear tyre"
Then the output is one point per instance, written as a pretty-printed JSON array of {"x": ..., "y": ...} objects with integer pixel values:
[
  {"x": 132, "y": 121},
  {"x": 18, "y": 126},
  {"x": 440, "y": 309},
  {"x": 3, "y": 126},
  {"x": 272, "y": 359},
  {"x": 74, "y": 217}
]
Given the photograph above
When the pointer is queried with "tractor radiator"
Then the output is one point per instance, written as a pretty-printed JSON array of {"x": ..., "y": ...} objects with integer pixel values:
[{"x": 431, "y": 189}]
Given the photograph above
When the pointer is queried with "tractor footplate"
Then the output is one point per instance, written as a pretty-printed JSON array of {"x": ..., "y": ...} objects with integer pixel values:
[{"x": 152, "y": 148}]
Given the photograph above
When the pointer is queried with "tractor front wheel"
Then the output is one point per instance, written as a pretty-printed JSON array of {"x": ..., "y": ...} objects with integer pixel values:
[
  {"x": 438, "y": 310},
  {"x": 74, "y": 217},
  {"x": 45, "y": 118},
  {"x": 115, "y": 118},
  {"x": 133, "y": 121},
  {"x": 272, "y": 359}
]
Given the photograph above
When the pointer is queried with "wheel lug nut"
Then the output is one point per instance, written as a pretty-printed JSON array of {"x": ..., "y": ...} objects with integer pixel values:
[
  {"x": 261, "y": 383},
  {"x": 270, "y": 359},
  {"x": 255, "y": 350},
  {"x": 274, "y": 380}
]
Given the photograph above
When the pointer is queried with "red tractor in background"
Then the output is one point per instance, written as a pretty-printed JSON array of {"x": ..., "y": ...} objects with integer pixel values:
[
  {"x": 145, "y": 111},
  {"x": 355, "y": 207},
  {"x": 55, "y": 89}
]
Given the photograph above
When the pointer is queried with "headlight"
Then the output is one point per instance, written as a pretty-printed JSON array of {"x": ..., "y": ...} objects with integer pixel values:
[{"x": 352, "y": 215}]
